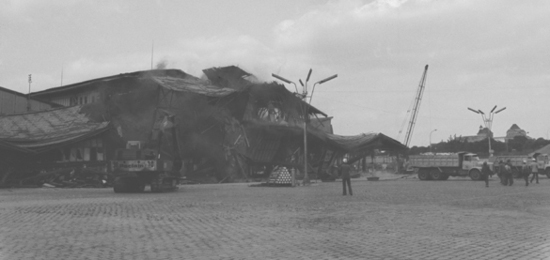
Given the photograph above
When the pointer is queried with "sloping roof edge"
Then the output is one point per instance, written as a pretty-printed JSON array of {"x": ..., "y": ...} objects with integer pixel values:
[
  {"x": 362, "y": 142},
  {"x": 11, "y": 147},
  {"x": 82, "y": 84}
]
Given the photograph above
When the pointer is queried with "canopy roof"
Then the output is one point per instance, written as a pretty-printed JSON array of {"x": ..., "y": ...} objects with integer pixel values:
[
  {"x": 41, "y": 131},
  {"x": 365, "y": 142},
  {"x": 543, "y": 150}
]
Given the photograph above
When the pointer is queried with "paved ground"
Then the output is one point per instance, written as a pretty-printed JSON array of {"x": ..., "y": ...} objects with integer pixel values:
[{"x": 392, "y": 219}]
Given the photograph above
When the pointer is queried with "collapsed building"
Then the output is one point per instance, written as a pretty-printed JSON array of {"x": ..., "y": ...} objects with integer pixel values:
[{"x": 226, "y": 126}]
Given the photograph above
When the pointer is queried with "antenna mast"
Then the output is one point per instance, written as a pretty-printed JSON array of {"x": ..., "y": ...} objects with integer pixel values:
[
  {"x": 152, "y": 52},
  {"x": 29, "y": 94}
]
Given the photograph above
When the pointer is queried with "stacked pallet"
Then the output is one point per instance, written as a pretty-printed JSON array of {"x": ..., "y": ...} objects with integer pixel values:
[{"x": 280, "y": 176}]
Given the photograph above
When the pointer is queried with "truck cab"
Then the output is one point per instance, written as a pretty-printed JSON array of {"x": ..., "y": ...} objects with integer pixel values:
[
  {"x": 472, "y": 161},
  {"x": 469, "y": 161},
  {"x": 134, "y": 168},
  {"x": 543, "y": 163}
]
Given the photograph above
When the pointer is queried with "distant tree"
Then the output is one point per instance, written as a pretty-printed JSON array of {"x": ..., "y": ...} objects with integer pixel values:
[
  {"x": 539, "y": 143},
  {"x": 518, "y": 143}
]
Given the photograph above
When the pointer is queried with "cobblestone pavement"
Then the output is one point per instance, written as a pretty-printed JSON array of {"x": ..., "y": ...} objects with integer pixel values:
[{"x": 398, "y": 219}]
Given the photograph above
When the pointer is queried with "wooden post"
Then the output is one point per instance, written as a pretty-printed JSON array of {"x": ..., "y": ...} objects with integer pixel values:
[
  {"x": 293, "y": 171},
  {"x": 372, "y": 158}
]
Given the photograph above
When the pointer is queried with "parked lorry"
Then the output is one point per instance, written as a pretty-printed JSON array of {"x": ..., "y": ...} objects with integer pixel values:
[{"x": 441, "y": 166}]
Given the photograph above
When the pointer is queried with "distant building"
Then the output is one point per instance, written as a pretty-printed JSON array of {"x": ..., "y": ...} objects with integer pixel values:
[
  {"x": 484, "y": 132},
  {"x": 481, "y": 135},
  {"x": 515, "y": 131},
  {"x": 13, "y": 102}
]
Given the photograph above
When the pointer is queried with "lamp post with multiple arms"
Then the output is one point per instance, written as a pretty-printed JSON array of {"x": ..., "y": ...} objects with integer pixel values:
[
  {"x": 488, "y": 121},
  {"x": 431, "y": 149},
  {"x": 305, "y": 112}
]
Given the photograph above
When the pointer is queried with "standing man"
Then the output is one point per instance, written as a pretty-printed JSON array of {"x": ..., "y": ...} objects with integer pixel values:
[
  {"x": 508, "y": 173},
  {"x": 535, "y": 171},
  {"x": 486, "y": 171},
  {"x": 525, "y": 171},
  {"x": 344, "y": 170}
]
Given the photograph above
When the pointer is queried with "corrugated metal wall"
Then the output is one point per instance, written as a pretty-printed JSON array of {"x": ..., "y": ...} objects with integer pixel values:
[{"x": 12, "y": 103}]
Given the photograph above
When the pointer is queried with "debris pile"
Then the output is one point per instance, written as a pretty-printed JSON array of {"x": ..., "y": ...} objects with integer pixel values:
[{"x": 64, "y": 178}]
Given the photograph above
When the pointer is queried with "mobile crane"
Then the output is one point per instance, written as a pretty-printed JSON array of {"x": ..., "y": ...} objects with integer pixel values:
[
  {"x": 416, "y": 107},
  {"x": 412, "y": 122}
]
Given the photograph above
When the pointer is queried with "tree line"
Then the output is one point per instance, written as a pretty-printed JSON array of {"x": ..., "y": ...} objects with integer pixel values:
[{"x": 518, "y": 145}]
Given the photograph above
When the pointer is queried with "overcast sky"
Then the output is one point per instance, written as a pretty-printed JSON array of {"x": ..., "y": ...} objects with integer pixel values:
[{"x": 480, "y": 53}]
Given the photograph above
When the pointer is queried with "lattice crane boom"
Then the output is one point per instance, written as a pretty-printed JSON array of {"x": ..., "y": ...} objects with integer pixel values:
[{"x": 416, "y": 107}]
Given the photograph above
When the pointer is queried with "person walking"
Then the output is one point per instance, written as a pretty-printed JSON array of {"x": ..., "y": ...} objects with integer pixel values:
[
  {"x": 508, "y": 174},
  {"x": 525, "y": 171},
  {"x": 344, "y": 171},
  {"x": 485, "y": 171},
  {"x": 501, "y": 173},
  {"x": 535, "y": 171}
]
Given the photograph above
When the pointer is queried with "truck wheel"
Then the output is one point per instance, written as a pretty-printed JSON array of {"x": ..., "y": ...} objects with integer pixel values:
[
  {"x": 117, "y": 188},
  {"x": 436, "y": 174},
  {"x": 475, "y": 175},
  {"x": 120, "y": 187},
  {"x": 138, "y": 187},
  {"x": 423, "y": 175}
]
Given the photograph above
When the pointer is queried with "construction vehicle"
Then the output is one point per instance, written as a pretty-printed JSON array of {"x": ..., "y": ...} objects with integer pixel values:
[
  {"x": 135, "y": 167},
  {"x": 441, "y": 166}
]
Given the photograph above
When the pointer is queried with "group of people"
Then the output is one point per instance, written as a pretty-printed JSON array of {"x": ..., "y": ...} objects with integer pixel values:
[
  {"x": 506, "y": 175},
  {"x": 504, "y": 172}
]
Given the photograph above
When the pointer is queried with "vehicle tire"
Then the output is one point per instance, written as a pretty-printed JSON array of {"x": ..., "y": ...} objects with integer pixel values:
[
  {"x": 423, "y": 175},
  {"x": 120, "y": 186},
  {"x": 475, "y": 175},
  {"x": 117, "y": 188},
  {"x": 436, "y": 174},
  {"x": 156, "y": 186},
  {"x": 138, "y": 187}
]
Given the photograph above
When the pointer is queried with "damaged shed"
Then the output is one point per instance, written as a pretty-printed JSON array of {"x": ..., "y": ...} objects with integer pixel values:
[
  {"x": 56, "y": 140},
  {"x": 227, "y": 126}
]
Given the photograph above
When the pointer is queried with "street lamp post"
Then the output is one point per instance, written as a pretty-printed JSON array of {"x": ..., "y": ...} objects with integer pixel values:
[
  {"x": 431, "y": 149},
  {"x": 305, "y": 111},
  {"x": 488, "y": 121}
]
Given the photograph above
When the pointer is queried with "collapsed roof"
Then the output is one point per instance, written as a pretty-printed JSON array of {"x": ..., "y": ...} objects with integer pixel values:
[{"x": 272, "y": 115}]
